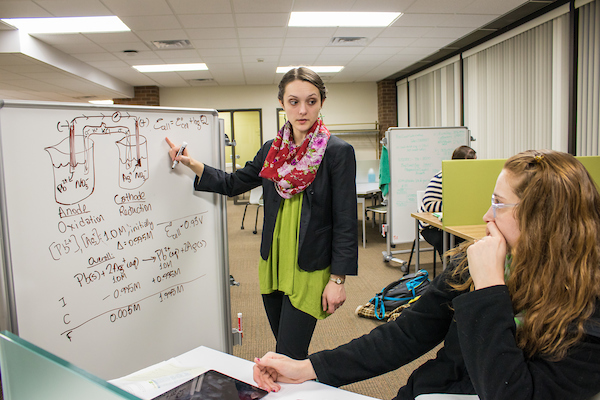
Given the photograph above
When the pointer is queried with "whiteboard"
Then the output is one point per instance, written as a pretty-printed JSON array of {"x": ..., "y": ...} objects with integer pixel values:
[
  {"x": 113, "y": 261},
  {"x": 415, "y": 156}
]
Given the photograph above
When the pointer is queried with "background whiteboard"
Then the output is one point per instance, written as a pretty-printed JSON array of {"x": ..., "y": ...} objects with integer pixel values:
[
  {"x": 112, "y": 263},
  {"x": 415, "y": 156}
]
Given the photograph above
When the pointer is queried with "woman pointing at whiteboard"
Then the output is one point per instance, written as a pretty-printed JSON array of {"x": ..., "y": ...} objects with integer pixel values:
[{"x": 309, "y": 239}]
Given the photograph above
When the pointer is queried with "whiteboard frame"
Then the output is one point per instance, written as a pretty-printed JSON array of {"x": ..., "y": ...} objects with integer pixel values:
[
  {"x": 393, "y": 212},
  {"x": 8, "y": 310}
]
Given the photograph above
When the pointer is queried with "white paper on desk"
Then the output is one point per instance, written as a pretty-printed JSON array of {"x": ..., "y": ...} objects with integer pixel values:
[{"x": 157, "y": 379}]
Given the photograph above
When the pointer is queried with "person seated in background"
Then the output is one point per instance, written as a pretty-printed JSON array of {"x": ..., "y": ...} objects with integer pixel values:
[
  {"x": 432, "y": 202},
  {"x": 518, "y": 312}
]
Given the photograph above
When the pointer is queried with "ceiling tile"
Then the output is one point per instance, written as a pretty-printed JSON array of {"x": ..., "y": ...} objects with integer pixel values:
[
  {"x": 306, "y": 42},
  {"x": 254, "y": 59},
  {"x": 262, "y": 20},
  {"x": 102, "y": 65},
  {"x": 260, "y": 52},
  {"x": 493, "y": 7},
  {"x": 141, "y": 23},
  {"x": 340, "y": 59},
  {"x": 178, "y": 54},
  {"x": 382, "y": 5},
  {"x": 162, "y": 34},
  {"x": 274, "y": 42},
  {"x": 112, "y": 37},
  {"x": 141, "y": 57},
  {"x": 219, "y": 52},
  {"x": 447, "y": 32},
  {"x": 297, "y": 60},
  {"x": 74, "y": 8},
  {"x": 320, "y": 5},
  {"x": 137, "y": 7},
  {"x": 215, "y": 44},
  {"x": 438, "y": 6},
  {"x": 192, "y": 21},
  {"x": 211, "y": 60},
  {"x": 140, "y": 47},
  {"x": 432, "y": 42},
  {"x": 392, "y": 42},
  {"x": 405, "y": 32},
  {"x": 250, "y": 33},
  {"x": 212, "y": 33},
  {"x": 299, "y": 32},
  {"x": 262, "y": 6},
  {"x": 200, "y": 6},
  {"x": 467, "y": 20},
  {"x": 22, "y": 9}
]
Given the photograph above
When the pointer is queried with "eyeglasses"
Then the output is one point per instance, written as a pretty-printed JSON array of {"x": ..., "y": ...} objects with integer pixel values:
[{"x": 496, "y": 205}]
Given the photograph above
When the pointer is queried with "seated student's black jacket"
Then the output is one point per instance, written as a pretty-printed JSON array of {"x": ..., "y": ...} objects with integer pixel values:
[
  {"x": 328, "y": 219},
  {"x": 479, "y": 355}
]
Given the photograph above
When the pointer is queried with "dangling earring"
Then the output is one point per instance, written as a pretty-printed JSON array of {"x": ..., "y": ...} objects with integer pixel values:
[{"x": 320, "y": 116}]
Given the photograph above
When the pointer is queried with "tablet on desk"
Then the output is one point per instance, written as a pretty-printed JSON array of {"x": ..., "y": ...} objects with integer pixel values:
[{"x": 213, "y": 385}]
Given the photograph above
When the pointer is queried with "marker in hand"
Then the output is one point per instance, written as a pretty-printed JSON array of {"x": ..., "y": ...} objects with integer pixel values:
[{"x": 180, "y": 152}]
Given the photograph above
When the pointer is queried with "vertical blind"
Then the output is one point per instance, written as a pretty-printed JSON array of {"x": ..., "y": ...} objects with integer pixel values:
[
  {"x": 516, "y": 88},
  {"x": 509, "y": 98},
  {"x": 588, "y": 79},
  {"x": 434, "y": 97}
]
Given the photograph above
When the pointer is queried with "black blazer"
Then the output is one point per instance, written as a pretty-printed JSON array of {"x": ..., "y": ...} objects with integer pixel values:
[{"x": 328, "y": 220}]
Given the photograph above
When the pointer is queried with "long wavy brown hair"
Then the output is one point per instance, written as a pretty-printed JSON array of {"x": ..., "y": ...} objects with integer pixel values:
[{"x": 555, "y": 268}]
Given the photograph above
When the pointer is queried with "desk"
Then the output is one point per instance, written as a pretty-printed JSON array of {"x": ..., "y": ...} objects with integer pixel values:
[
  {"x": 204, "y": 358},
  {"x": 364, "y": 191},
  {"x": 467, "y": 232}
]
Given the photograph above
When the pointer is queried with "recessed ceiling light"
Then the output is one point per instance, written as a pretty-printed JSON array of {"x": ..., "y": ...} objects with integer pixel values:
[
  {"x": 171, "y": 67},
  {"x": 317, "y": 69},
  {"x": 68, "y": 24},
  {"x": 370, "y": 19}
]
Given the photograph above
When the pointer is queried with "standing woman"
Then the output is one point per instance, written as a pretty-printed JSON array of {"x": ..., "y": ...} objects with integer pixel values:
[{"x": 309, "y": 239}]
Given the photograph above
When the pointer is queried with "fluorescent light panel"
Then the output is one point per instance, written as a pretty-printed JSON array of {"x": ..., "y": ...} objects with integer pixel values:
[
  {"x": 317, "y": 69},
  {"x": 361, "y": 19},
  {"x": 68, "y": 24},
  {"x": 101, "y": 102},
  {"x": 171, "y": 67}
]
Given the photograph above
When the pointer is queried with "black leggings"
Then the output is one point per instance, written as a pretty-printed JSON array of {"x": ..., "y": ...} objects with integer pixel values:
[{"x": 293, "y": 329}]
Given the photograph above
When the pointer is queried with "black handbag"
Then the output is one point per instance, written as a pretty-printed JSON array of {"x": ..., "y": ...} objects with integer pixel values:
[{"x": 400, "y": 292}]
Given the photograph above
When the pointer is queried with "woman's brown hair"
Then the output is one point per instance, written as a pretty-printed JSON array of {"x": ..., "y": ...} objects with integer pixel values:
[
  {"x": 302, "y": 74},
  {"x": 555, "y": 268}
]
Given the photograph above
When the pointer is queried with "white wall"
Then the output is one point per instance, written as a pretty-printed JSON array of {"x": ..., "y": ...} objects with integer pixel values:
[{"x": 345, "y": 104}]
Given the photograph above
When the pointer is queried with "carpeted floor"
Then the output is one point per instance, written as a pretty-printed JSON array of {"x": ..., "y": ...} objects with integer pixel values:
[{"x": 373, "y": 274}]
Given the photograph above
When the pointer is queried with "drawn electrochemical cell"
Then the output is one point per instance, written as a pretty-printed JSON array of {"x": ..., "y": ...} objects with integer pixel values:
[
  {"x": 73, "y": 168},
  {"x": 73, "y": 157},
  {"x": 133, "y": 161}
]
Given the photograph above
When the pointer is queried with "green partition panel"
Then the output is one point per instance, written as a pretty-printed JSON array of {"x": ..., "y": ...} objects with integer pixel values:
[
  {"x": 592, "y": 164},
  {"x": 468, "y": 186},
  {"x": 467, "y": 190},
  {"x": 29, "y": 372}
]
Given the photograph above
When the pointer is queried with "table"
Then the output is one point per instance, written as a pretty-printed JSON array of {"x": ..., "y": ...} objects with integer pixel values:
[
  {"x": 203, "y": 358},
  {"x": 467, "y": 232},
  {"x": 364, "y": 191}
]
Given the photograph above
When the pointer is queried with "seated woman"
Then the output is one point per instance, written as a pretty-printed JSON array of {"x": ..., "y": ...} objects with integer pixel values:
[
  {"x": 432, "y": 202},
  {"x": 518, "y": 311}
]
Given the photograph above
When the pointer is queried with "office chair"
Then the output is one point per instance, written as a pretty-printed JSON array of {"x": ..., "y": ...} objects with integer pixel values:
[
  {"x": 420, "y": 194},
  {"x": 257, "y": 200}
]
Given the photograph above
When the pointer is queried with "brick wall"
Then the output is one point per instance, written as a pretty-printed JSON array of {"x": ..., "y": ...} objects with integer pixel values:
[
  {"x": 143, "y": 96},
  {"x": 387, "y": 108}
]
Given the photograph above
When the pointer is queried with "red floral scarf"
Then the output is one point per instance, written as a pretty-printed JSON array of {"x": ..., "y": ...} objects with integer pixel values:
[{"x": 291, "y": 167}]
